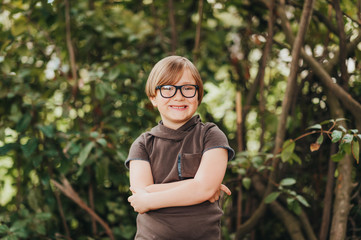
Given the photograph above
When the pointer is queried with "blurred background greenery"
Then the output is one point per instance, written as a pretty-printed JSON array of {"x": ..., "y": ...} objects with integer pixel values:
[{"x": 72, "y": 101}]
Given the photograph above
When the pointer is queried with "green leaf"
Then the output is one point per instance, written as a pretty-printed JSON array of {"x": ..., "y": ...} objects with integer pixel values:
[
  {"x": 102, "y": 170},
  {"x": 94, "y": 134},
  {"x": 347, "y": 138},
  {"x": 294, "y": 206},
  {"x": 29, "y": 147},
  {"x": 74, "y": 149},
  {"x": 302, "y": 200},
  {"x": 47, "y": 130},
  {"x": 113, "y": 74},
  {"x": 320, "y": 139},
  {"x": 23, "y": 123},
  {"x": 37, "y": 160},
  {"x": 246, "y": 182},
  {"x": 6, "y": 148},
  {"x": 241, "y": 171},
  {"x": 356, "y": 150},
  {"x": 354, "y": 131},
  {"x": 43, "y": 216},
  {"x": 327, "y": 121},
  {"x": 316, "y": 126},
  {"x": 3, "y": 229},
  {"x": 287, "y": 182},
  {"x": 10, "y": 237},
  {"x": 102, "y": 142},
  {"x": 108, "y": 89},
  {"x": 342, "y": 129},
  {"x": 336, "y": 173},
  {"x": 271, "y": 197},
  {"x": 84, "y": 153},
  {"x": 296, "y": 158},
  {"x": 341, "y": 119},
  {"x": 19, "y": 26},
  {"x": 287, "y": 150},
  {"x": 346, "y": 147},
  {"x": 99, "y": 91},
  {"x": 336, "y": 136},
  {"x": 40, "y": 228},
  {"x": 338, "y": 156}
]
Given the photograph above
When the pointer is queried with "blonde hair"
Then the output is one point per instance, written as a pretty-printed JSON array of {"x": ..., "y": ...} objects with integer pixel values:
[{"x": 168, "y": 71}]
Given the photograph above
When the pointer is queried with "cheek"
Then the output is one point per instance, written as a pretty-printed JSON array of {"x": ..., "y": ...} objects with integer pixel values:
[
  {"x": 194, "y": 102},
  {"x": 162, "y": 101}
]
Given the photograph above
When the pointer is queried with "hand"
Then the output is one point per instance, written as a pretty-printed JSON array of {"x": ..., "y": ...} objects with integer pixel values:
[
  {"x": 217, "y": 194},
  {"x": 139, "y": 200}
]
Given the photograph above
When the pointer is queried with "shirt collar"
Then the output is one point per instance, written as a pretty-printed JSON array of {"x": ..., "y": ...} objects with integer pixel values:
[{"x": 162, "y": 131}]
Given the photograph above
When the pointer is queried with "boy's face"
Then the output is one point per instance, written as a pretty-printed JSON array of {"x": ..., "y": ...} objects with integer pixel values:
[{"x": 177, "y": 110}]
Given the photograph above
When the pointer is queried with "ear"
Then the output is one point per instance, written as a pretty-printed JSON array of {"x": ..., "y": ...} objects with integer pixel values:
[{"x": 154, "y": 102}]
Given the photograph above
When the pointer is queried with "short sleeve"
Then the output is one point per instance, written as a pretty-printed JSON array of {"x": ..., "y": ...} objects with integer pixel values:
[
  {"x": 215, "y": 138},
  {"x": 137, "y": 151}
]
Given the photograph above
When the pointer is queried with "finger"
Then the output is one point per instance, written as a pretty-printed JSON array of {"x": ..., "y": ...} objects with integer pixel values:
[
  {"x": 216, "y": 197},
  {"x": 132, "y": 190},
  {"x": 225, "y": 189}
]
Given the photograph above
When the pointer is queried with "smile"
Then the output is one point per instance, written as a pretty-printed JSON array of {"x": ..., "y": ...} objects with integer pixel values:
[{"x": 179, "y": 107}]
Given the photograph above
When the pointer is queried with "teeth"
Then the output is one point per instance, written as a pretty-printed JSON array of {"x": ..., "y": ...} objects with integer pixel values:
[{"x": 178, "y": 107}]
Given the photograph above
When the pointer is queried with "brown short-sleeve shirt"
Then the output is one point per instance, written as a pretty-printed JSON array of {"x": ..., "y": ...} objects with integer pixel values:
[{"x": 175, "y": 155}]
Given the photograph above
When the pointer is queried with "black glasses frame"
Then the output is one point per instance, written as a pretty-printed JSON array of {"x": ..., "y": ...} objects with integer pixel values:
[{"x": 176, "y": 90}]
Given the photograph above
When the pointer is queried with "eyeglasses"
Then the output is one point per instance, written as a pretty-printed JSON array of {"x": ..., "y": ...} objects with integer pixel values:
[{"x": 168, "y": 91}]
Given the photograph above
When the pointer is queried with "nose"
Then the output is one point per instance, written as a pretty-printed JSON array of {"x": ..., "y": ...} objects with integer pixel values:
[{"x": 178, "y": 95}]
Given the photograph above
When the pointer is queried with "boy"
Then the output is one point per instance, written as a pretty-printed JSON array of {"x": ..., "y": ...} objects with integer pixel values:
[{"x": 177, "y": 168}]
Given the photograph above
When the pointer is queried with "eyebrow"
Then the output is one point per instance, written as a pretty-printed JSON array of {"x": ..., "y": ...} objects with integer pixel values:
[{"x": 183, "y": 83}]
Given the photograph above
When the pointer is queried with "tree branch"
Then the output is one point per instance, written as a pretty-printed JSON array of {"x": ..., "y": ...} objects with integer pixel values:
[
  {"x": 322, "y": 72},
  {"x": 173, "y": 26},
  {"x": 327, "y": 200},
  {"x": 255, "y": 218},
  {"x": 342, "y": 37},
  {"x": 70, "y": 47},
  {"x": 70, "y": 193},
  {"x": 291, "y": 223},
  {"x": 350, "y": 103},
  {"x": 343, "y": 188},
  {"x": 291, "y": 82},
  {"x": 61, "y": 211},
  {"x": 196, "y": 50}
]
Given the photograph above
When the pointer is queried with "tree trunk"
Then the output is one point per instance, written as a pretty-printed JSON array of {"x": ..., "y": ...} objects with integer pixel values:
[
  {"x": 291, "y": 82},
  {"x": 173, "y": 26},
  {"x": 343, "y": 188},
  {"x": 70, "y": 47},
  {"x": 327, "y": 202},
  {"x": 342, "y": 37},
  {"x": 241, "y": 114},
  {"x": 196, "y": 50}
]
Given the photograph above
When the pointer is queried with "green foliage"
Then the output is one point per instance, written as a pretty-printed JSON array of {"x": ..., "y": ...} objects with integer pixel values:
[
  {"x": 246, "y": 182},
  {"x": 53, "y": 124},
  {"x": 272, "y": 197},
  {"x": 287, "y": 150},
  {"x": 292, "y": 198}
]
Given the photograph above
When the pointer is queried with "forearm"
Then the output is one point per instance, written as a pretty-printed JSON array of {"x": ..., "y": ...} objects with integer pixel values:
[
  {"x": 165, "y": 186},
  {"x": 204, "y": 186},
  {"x": 189, "y": 192}
]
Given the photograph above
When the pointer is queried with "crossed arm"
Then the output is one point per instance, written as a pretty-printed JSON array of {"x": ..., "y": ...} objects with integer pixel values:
[{"x": 206, "y": 185}]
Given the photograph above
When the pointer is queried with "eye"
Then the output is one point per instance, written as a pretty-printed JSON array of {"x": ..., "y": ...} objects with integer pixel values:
[
  {"x": 167, "y": 88},
  {"x": 188, "y": 88}
]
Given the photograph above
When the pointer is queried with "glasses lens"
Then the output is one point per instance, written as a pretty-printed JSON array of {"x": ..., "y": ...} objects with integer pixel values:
[
  {"x": 188, "y": 90},
  {"x": 167, "y": 91}
]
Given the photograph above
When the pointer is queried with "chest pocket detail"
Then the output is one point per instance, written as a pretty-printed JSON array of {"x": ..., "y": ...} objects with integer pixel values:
[{"x": 188, "y": 164}]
